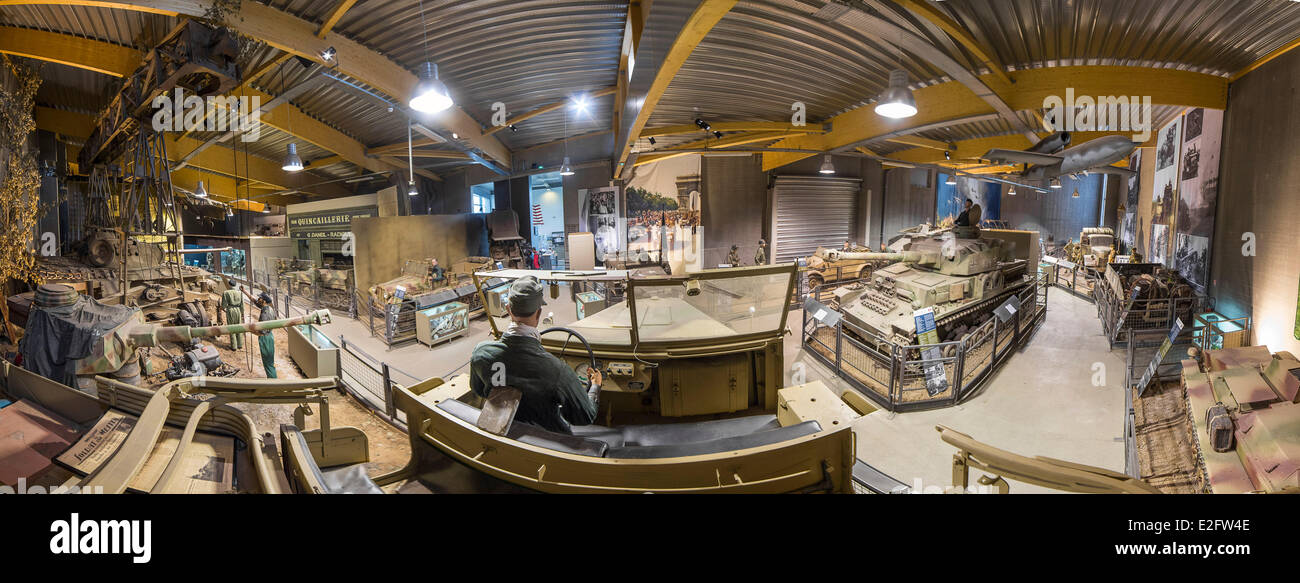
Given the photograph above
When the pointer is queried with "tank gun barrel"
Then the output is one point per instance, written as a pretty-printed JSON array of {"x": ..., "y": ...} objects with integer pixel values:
[
  {"x": 150, "y": 335},
  {"x": 908, "y": 256}
]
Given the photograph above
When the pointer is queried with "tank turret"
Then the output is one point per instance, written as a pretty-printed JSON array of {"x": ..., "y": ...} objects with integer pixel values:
[
  {"x": 946, "y": 254},
  {"x": 962, "y": 278}
]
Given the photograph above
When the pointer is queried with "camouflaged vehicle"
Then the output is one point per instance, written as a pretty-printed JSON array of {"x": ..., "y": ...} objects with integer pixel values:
[
  {"x": 822, "y": 269},
  {"x": 335, "y": 284},
  {"x": 417, "y": 278},
  {"x": 1095, "y": 247},
  {"x": 1259, "y": 392},
  {"x": 962, "y": 276},
  {"x": 116, "y": 352},
  {"x": 150, "y": 281}
]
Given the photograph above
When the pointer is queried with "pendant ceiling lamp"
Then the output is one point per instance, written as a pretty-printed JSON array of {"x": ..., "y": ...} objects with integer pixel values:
[
  {"x": 411, "y": 190},
  {"x": 566, "y": 168},
  {"x": 951, "y": 180},
  {"x": 1055, "y": 183},
  {"x": 292, "y": 163},
  {"x": 827, "y": 167},
  {"x": 430, "y": 95},
  {"x": 896, "y": 101},
  {"x": 200, "y": 191}
]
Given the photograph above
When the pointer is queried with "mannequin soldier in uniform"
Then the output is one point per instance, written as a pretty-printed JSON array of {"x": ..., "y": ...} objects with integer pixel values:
[
  {"x": 734, "y": 258},
  {"x": 232, "y": 306},
  {"x": 265, "y": 338},
  {"x": 760, "y": 256}
]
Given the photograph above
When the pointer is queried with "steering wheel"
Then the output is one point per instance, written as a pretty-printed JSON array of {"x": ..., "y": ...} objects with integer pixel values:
[{"x": 591, "y": 356}]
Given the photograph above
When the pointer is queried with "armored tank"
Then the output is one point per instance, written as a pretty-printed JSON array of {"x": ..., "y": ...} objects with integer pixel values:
[
  {"x": 1243, "y": 419},
  {"x": 962, "y": 276},
  {"x": 150, "y": 280},
  {"x": 71, "y": 338}
]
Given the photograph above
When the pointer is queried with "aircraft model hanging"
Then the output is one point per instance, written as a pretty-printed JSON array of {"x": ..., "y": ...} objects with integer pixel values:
[{"x": 1050, "y": 158}]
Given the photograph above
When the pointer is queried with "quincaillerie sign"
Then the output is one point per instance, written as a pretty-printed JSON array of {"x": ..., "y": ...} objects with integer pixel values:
[{"x": 331, "y": 224}]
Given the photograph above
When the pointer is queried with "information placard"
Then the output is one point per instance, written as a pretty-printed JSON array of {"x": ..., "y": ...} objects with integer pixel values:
[{"x": 936, "y": 379}]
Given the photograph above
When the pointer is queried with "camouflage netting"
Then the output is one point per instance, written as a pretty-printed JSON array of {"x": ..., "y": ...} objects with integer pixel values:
[
  {"x": 59, "y": 336},
  {"x": 19, "y": 178}
]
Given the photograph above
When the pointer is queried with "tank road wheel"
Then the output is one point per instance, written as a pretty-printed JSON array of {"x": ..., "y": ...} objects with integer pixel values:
[{"x": 815, "y": 281}]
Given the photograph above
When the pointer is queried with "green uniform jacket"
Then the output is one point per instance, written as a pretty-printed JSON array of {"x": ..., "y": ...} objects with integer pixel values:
[{"x": 552, "y": 393}]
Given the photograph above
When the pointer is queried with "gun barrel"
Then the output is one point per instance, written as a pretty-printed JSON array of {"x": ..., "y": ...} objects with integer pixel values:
[
  {"x": 152, "y": 335},
  {"x": 874, "y": 256}
]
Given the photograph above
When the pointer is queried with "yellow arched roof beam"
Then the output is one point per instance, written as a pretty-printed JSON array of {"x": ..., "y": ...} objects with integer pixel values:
[
  {"x": 291, "y": 34},
  {"x": 952, "y": 101}
]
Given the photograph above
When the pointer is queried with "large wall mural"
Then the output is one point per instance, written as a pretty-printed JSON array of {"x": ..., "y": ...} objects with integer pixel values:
[
  {"x": 663, "y": 213},
  {"x": 1165, "y": 193},
  {"x": 1198, "y": 193},
  {"x": 949, "y": 199}
]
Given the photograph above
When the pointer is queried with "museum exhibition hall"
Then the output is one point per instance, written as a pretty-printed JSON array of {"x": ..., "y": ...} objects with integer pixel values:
[{"x": 649, "y": 246}]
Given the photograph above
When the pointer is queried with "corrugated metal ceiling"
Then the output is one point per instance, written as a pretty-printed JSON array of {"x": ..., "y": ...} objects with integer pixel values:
[{"x": 761, "y": 57}]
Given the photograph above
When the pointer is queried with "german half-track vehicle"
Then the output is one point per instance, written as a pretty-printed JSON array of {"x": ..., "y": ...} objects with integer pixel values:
[
  {"x": 75, "y": 338},
  {"x": 423, "y": 276},
  {"x": 962, "y": 276}
]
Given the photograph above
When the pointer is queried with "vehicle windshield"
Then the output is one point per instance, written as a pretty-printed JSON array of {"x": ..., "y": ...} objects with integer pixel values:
[
  {"x": 722, "y": 307},
  {"x": 670, "y": 309}
]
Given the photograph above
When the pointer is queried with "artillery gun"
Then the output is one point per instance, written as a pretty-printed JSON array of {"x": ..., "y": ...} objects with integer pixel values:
[
  {"x": 92, "y": 339},
  {"x": 962, "y": 276}
]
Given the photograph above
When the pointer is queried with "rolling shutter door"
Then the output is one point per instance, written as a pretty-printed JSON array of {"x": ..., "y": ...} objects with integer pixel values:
[{"x": 813, "y": 211}]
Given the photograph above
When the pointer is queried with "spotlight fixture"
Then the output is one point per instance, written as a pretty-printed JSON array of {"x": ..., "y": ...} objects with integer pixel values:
[
  {"x": 230, "y": 212},
  {"x": 1055, "y": 183},
  {"x": 431, "y": 95},
  {"x": 717, "y": 135},
  {"x": 652, "y": 141},
  {"x": 827, "y": 167},
  {"x": 200, "y": 191},
  {"x": 328, "y": 54},
  {"x": 292, "y": 163},
  {"x": 704, "y": 125},
  {"x": 565, "y": 168},
  {"x": 455, "y": 136},
  {"x": 411, "y": 189},
  {"x": 896, "y": 101},
  {"x": 951, "y": 180},
  {"x": 513, "y": 128},
  {"x": 947, "y": 155},
  {"x": 580, "y": 103}
]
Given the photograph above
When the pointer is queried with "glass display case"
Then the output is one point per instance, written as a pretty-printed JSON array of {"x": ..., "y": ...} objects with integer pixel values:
[{"x": 442, "y": 322}]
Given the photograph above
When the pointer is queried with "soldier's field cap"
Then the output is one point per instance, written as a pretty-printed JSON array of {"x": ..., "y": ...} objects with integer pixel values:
[{"x": 525, "y": 296}]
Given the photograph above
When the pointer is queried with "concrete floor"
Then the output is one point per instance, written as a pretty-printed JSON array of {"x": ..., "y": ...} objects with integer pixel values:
[{"x": 1041, "y": 403}]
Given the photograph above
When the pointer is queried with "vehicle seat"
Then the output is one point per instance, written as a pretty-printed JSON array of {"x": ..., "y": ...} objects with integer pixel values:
[
  {"x": 305, "y": 477},
  {"x": 717, "y": 445},
  {"x": 531, "y": 434}
]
